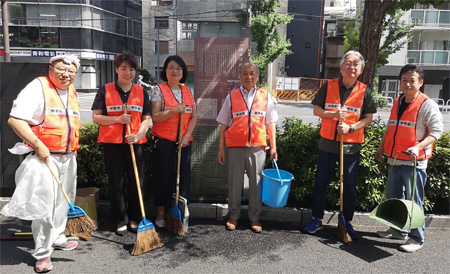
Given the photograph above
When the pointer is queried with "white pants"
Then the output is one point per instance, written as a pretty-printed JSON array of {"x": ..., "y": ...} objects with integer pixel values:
[{"x": 49, "y": 232}]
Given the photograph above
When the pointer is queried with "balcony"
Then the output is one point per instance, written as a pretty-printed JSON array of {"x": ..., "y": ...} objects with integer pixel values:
[
  {"x": 428, "y": 57},
  {"x": 430, "y": 18}
]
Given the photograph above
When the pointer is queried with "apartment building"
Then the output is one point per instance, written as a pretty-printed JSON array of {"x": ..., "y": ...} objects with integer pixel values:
[
  {"x": 429, "y": 49},
  {"x": 94, "y": 30}
]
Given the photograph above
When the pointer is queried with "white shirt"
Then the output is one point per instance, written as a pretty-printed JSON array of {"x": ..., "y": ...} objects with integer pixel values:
[
  {"x": 29, "y": 104},
  {"x": 224, "y": 116}
]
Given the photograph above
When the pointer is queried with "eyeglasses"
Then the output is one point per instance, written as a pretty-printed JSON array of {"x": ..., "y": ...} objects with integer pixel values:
[
  {"x": 349, "y": 64},
  {"x": 175, "y": 68},
  {"x": 61, "y": 70}
]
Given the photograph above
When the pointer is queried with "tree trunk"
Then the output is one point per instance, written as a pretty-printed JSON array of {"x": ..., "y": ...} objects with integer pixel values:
[{"x": 370, "y": 37}]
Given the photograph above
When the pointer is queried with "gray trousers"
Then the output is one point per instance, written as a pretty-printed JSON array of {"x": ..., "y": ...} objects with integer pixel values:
[
  {"x": 241, "y": 159},
  {"x": 49, "y": 232}
]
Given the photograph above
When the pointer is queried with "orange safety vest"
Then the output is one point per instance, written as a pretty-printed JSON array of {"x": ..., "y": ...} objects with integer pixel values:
[
  {"x": 353, "y": 105},
  {"x": 168, "y": 129},
  {"x": 115, "y": 133},
  {"x": 60, "y": 130},
  {"x": 248, "y": 128},
  {"x": 401, "y": 133}
]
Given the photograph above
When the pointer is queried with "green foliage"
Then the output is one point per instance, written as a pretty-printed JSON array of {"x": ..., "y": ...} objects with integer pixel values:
[
  {"x": 297, "y": 153},
  {"x": 379, "y": 102},
  {"x": 264, "y": 27},
  {"x": 91, "y": 166},
  {"x": 397, "y": 34},
  {"x": 148, "y": 78},
  {"x": 297, "y": 149},
  {"x": 438, "y": 172}
]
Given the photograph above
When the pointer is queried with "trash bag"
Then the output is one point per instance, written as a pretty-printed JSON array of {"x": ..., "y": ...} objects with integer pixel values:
[{"x": 33, "y": 196}]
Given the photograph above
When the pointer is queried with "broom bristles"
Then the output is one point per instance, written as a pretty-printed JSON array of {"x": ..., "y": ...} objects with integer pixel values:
[
  {"x": 85, "y": 236},
  {"x": 146, "y": 241},
  {"x": 175, "y": 226},
  {"x": 83, "y": 224},
  {"x": 343, "y": 235}
]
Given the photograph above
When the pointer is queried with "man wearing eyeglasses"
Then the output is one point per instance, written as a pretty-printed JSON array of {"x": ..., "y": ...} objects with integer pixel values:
[
  {"x": 46, "y": 115},
  {"x": 345, "y": 107}
]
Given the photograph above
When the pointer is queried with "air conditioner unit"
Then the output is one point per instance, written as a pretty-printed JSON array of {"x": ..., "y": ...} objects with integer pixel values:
[{"x": 332, "y": 33}]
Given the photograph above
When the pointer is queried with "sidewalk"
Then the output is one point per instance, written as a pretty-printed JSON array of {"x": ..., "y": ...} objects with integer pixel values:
[{"x": 280, "y": 215}]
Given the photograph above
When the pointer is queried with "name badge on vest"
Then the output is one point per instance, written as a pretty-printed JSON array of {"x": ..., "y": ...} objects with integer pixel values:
[
  {"x": 74, "y": 113},
  {"x": 332, "y": 106},
  {"x": 353, "y": 109},
  {"x": 240, "y": 114},
  {"x": 114, "y": 109},
  {"x": 407, "y": 124},
  {"x": 258, "y": 113},
  {"x": 55, "y": 111},
  {"x": 134, "y": 108},
  {"x": 188, "y": 110}
]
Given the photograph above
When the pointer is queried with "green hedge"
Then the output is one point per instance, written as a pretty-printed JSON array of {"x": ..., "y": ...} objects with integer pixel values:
[
  {"x": 297, "y": 144},
  {"x": 91, "y": 165},
  {"x": 297, "y": 148}
]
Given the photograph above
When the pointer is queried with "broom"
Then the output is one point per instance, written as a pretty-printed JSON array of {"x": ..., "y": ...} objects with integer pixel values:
[
  {"x": 342, "y": 229},
  {"x": 78, "y": 221},
  {"x": 174, "y": 223},
  {"x": 147, "y": 239}
]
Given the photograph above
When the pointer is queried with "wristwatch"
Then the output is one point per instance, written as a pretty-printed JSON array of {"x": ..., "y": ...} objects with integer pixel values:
[{"x": 351, "y": 130}]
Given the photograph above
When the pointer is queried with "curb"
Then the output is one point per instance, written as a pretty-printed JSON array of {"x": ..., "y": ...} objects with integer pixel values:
[{"x": 284, "y": 214}]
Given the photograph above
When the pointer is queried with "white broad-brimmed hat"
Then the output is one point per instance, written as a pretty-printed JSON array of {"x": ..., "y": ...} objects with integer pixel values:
[{"x": 67, "y": 59}]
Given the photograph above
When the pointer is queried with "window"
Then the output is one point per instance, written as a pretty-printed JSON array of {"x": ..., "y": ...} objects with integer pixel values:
[
  {"x": 163, "y": 46},
  {"x": 162, "y": 22}
]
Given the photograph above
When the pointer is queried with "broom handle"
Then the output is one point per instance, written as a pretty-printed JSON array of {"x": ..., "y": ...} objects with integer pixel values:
[
  {"x": 59, "y": 184},
  {"x": 341, "y": 171},
  {"x": 180, "y": 138},
  {"x": 136, "y": 173}
]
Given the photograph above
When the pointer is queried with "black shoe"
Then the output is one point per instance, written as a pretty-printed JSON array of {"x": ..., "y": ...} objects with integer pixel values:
[{"x": 122, "y": 231}]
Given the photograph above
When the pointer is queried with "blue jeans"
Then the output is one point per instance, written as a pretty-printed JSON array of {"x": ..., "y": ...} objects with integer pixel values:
[
  {"x": 400, "y": 182},
  {"x": 326, "y": 167}
]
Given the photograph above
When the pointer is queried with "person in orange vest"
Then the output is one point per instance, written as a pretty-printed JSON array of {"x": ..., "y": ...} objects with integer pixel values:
[
  {"x": 108, "y": 111},
  {"x": 345, "y": 107},
  {"x": 46, "y": 115},
  {"x": 414, "y": 125},
  {"x": 247, "y": 116},
  {"x": 169, "y": 100}
]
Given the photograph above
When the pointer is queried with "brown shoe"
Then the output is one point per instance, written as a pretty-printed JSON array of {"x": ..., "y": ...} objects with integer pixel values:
[
  {"x": 231, "y": 224},
  {"x": 255, "y": 226}
]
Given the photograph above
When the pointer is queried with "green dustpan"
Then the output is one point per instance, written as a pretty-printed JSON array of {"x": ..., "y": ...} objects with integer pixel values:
[{"x": 400, "y": 214}]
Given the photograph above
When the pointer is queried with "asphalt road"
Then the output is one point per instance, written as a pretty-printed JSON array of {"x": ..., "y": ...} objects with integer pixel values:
[
  {"x": 209, "y": 248},
  {"x": 286, "y": 108}
]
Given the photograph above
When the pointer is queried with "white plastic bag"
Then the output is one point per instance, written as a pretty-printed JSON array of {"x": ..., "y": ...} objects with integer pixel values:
[{"x": 33, "y": 196}]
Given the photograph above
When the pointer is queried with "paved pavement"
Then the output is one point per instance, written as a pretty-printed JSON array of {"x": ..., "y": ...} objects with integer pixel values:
[{"x": 209, "y": 248}]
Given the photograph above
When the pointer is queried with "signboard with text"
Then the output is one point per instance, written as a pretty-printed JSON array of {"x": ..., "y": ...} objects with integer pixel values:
[{"x": 217, "y": 63}]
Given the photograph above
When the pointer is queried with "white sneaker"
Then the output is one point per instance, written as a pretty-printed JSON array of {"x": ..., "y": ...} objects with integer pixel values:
[
  {"x": 411, "y": 246},
  {"x": 391, "y": 234},
  {"x": 160, "y": 223}
]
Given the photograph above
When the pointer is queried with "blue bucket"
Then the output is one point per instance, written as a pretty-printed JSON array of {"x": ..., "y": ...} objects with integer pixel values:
[{"x": 275, "y": 186}]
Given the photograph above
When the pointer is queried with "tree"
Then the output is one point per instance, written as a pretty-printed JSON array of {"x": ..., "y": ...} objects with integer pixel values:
[
  {"x": 265, "y": 23},
  {"x": 371, "y": 30},
  {"x": 397, "y": 34}
]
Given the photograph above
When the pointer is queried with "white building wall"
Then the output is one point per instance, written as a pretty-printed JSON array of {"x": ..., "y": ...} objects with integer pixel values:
[{"x": 432, "y": 90}]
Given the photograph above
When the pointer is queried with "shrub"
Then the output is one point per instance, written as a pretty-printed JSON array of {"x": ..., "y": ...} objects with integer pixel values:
[
  {"x": 297, "y": 148},
  {"x": 91, "y": 165}
]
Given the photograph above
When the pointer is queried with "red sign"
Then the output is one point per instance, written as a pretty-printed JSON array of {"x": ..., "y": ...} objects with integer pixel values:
[{"x": 217, "y": 63}]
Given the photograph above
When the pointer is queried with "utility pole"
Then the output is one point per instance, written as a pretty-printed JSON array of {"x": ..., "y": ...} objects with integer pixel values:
[
  {"x": 7, "y": 55},
  {"x": 157, "y": 54},
  {"x": 249, "y": 25}
]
